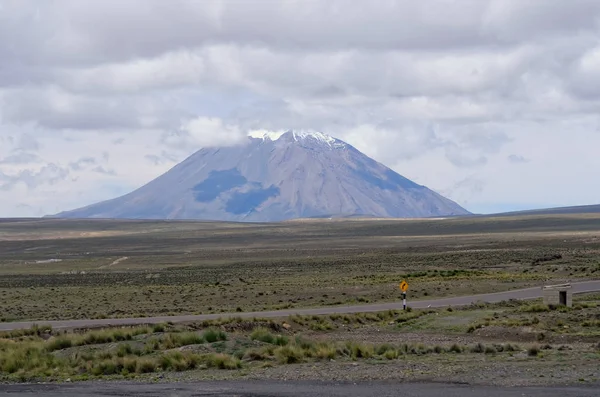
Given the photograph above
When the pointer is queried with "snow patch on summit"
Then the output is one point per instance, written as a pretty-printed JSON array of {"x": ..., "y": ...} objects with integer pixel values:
[
  {"x": 298, "y": 135},
  {"x": 319, "y": 136}
]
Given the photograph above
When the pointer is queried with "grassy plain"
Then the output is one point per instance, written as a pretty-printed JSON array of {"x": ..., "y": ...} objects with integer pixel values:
[
  {"x": 504, "y": 343},
  {"x": 66, "y": 269}
]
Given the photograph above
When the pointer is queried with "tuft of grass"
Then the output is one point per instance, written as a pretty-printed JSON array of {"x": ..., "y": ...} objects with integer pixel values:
[
  {"x": 455, "y": 348},
  {"x": 256, "y": 355},
  {"x": 478, "y": 348},
  {"x": 289, "y": 354},
  {"x": 108, "y": 336},
  {"x": 58, "y": 343},
  {"x": 212, "y": 335},
  {"x": 35, "y": 330},
  {"x": 322, "y": 326},
  {"x": 222, "y": 361},
  {"x": 145, "y": 366},
  {"x": 173, "y": 340},
  {"x": 325, "y": 351},
  {"x": 124, "y": 349},
  {"x": 391, "y": 354},
  {"x": 358, "y": 350},
  {"x": 28, "y": 358},
  {"x": 490, "y": 350},
  {"x": 535, "y": 308},
  {"x": 264, "y": 335},
  {"x": 533, "y": 351}
]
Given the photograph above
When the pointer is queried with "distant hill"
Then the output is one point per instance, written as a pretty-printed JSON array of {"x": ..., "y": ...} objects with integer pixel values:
[
  {"x": 275, "y": 178},
  {"x": 581, "y": 209}
]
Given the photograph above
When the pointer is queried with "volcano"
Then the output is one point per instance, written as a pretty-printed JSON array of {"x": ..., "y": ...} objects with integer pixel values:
[{"x": 296, "y": 174}]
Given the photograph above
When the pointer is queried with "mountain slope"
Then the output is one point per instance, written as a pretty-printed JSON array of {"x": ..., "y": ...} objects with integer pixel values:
[{"x": 295, "y": 175}]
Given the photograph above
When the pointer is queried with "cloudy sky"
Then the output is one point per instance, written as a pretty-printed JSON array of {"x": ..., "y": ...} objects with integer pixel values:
[{"x": 495, "y": 104}]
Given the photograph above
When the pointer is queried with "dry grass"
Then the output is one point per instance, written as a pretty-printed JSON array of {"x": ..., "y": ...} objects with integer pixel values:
[
  {"x": 202, "y": 267},
  {"x": 43, "y": 353}
]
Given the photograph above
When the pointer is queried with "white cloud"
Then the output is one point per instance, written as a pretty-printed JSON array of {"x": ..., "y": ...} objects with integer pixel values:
[{"x": 204, "y": 131}]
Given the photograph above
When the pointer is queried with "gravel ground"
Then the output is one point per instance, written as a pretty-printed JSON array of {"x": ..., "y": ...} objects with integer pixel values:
[
  {"x": 288, "y": 389},
  {"x": 473, "y": 369}
]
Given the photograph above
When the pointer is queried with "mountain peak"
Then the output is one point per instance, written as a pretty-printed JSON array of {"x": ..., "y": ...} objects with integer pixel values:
[
  {"x": 276, "y": 176},
  {"x": 298, "y": 136}
]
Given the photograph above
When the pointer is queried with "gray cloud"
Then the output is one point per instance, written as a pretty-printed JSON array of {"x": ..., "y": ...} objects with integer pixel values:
[
  {"x": 26, "y": 142},
  {"x": 55, "y": 108},
  {"x": 464, "y": 160},
  {"x": 147, "y": 28},
  {"x": 50, "y": 174},
  {"x": 457, "y": 87},
  {"x": 101, "y": 170},
  {"x": 467, "y": 61},
  {"x": 20, "y": 158},
  {"x": 516, "y": 159},
  {"x": 82, "y": 163},
  {"x": 164, "y": 158}
]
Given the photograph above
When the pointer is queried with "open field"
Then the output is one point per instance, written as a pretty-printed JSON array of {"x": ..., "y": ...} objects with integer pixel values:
[
  {"x": 70, "y": 269},
  {"x": 508, "y": 343},
  {"x": 54, "y": 269}
]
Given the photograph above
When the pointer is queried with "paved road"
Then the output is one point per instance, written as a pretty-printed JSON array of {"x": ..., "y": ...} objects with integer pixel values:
[
  {"x": 288, "y": 389},
  {"x": 529, "y": 293}
]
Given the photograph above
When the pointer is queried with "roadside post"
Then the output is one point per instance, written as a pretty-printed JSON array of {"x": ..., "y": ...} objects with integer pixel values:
[{"x": 404, "y": 288}]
